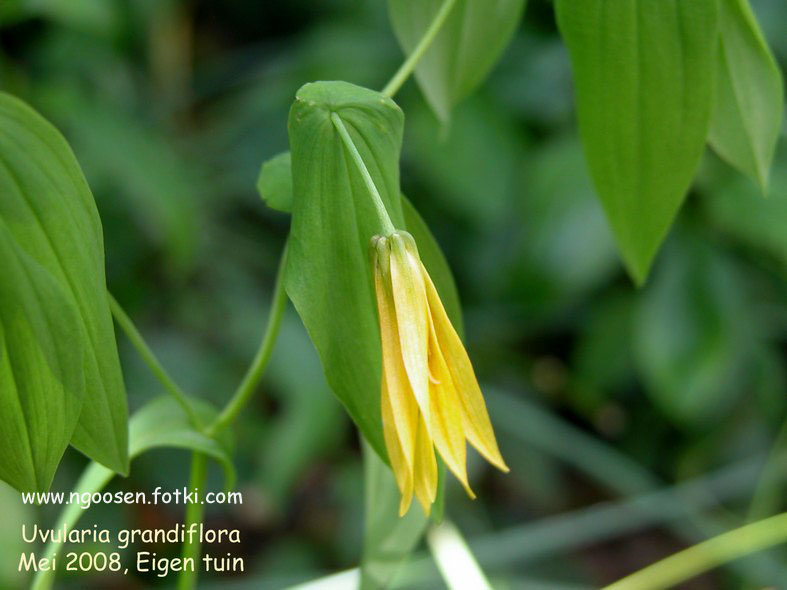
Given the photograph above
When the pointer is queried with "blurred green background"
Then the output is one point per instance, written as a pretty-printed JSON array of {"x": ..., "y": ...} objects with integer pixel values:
[{"x": 635, "y": 421}]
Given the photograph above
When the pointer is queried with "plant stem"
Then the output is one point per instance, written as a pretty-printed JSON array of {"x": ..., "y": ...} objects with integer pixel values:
[
  {"x": 707, "y": 555},
  {"x": 187, "y": 580},
  {"x": 257, "y": 367},
  {"x": 151, "y": 361},
  {"x": 412, "y": 60},
  {"x": 382, "y": 212},
  {"x": 454, "y": 558}
]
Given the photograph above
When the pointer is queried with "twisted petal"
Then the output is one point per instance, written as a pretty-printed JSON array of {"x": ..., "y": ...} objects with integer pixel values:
[
  {"x": 477, "y": 427},
  {"x": 402, "y": 471},
  {"x": 425, "y": 473},
  {"x": 409, "y": 297},
  {"x": 403, "y": 418},
  {"x": 447, "y": 422}
]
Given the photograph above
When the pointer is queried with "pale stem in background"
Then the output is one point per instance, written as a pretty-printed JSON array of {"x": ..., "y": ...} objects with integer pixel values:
[
  {"x": 454, "y": 559},
  {"x": 707, "y": 555}
]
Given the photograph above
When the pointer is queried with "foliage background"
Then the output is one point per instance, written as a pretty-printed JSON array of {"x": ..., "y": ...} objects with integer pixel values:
[{"x": 599, "y": 391}]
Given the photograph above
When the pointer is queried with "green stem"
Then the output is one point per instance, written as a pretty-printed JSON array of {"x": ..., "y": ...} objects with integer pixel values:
[
  {"x": 152, "y": 362},
  {"x": 707, "y": 555},
  {"x": 257, "y": 367},
  {"x": 187, "y": 580},
  {"x": 412, "y": 60},
  {"x": 382, "y": 212}
]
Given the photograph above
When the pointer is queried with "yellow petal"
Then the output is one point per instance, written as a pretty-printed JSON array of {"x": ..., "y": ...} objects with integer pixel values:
[
  {"x": 403, "y": 407},
  {"x": 478, "y": 428},
  {"x": 425, "y": 473},
  {"x": 402, "y": 471},
  {"x": 411, "y": 319},
  {"x": 447, "y": 422}
]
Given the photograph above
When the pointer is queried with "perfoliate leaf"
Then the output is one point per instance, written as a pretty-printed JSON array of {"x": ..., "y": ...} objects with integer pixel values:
[
  {"x": 275, "y": 182},
  {"x": 329, "y": 277},
  {"x": 463, "y": 52},
  {"x": 41, "y": 381},
  {"x": 333, "y": 219},
  {"x": 643, "y": 71},
  {"x": 49, "y": 215},
  {"x": 749, "y": 100}
]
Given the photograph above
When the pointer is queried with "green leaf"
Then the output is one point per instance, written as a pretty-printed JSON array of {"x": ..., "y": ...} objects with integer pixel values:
[
  {"x": 333, "y": 219},
  {"x": 749, "y": 95},
  {"x": 643, "y": 72},
  {"x": 41, "y": 384},
  {"x": 160, "y": 423},
  {"x": 49, "y": 214},
  {"x": 388, "y": 538},
  {"x": 275, "y": 182},
  {"x": 464, "y": 51}
]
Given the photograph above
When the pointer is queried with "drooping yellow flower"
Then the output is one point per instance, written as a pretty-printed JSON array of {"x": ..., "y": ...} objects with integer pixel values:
[{"x": 430, "y": 395}]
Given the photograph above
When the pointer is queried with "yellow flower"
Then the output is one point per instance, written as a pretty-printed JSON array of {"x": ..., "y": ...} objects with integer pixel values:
[{"x": 430, "y": 395}]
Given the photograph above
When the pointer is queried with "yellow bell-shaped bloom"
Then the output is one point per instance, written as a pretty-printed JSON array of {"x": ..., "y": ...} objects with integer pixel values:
[{"x": 430, "y": 395}]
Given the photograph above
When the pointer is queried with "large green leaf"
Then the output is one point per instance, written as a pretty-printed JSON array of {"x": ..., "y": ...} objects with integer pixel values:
[
  {"x": 160, "y": 423},
  {"x": 41, "y": 384},
  {"x": 749, "y": 95},
  {"x": 643, "y": 72},
  {"x": 49, "y": 215},
  {"x": 328, "y": 275},
  {"x": 329, "y": 280},
  {"x": 333, "y": 219},
  {"x": 463, "y": 52}
]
